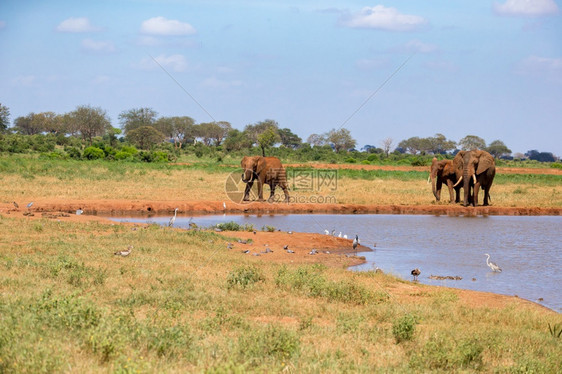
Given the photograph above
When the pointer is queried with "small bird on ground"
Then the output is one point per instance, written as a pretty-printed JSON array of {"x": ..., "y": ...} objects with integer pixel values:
[
  {"x": 355, "y": 243},
  {"x": 246, "y": 251},
  {"x": 345, "y": 236},
  {"x": 326, "y": 232},
  {"x": 16, "y": 205},
  {"x": 415, "y": 273},
  {"x": 339, "y": 236},
  {"x": 492, "y": 265},
  {"x": 286, "y": 247},
  {"x": 229, "y": 245},
  {"x": 242, "y": 241},
  {"x": 79, "y": 211},
  {"x": 313, "y": 252},
  {"x": 29, "y": 205},
  {"x": 173, "y": 219},
  {"x": 124, "y": 253},
  {"x": 290, "y": 232},
  {"x": 290, "y": 251}
]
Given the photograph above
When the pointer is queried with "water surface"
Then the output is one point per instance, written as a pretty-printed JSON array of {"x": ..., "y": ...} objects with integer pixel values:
[{"x": 527, "y": 248}]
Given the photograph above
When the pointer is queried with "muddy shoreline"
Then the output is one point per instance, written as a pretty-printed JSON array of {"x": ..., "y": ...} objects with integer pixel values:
[{"x": 144, "y": 207}]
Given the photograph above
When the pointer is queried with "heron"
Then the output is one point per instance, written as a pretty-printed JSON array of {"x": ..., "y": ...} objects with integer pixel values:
[
  {"x": 492, "y": 265},
  {"x": 355, "y": 243},
  {"x": 173, "y": 219},
  {"x": 124, "y": 253},
  {"x": 415, "y": 273},
  {"x": 224, "y": 205}
]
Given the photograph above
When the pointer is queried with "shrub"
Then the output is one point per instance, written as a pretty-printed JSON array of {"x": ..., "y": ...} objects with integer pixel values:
[
  {"x": 403, "y": 329},
  {"x": 123, "y": 156},
  {"x": 273, "y": 341},
  {"x": 93, "y": 153},
  {"x": 350, "y": 160},
  {"x": 244, "y": 277},
  {"x": 557, "y": 165},
  {"x": 73, "y": 153},
  {"x": 233, "y": 226}
]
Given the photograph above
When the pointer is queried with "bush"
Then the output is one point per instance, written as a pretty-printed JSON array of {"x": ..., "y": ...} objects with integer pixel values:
[
  {"x": 233, "y": 226},
  {"x": 271, "y": 342},
  {"x": 350, "y": 160},
  {"x": 93, "y": 153},
  {"x": 73, "y": 153},
  {"x": 123, "y": 156},
  {"x": 556, "y": 165},
  {"x": 244, "y": 277},
  {"x": 403, "y": 329}
]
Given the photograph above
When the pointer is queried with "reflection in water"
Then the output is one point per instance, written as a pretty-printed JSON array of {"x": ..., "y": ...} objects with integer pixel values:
[{"x": 526, "y": 248}]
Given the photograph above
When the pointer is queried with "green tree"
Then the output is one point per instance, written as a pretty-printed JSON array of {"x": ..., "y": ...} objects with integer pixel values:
[
  {"x": 412, "y": 145},
  {"x": 179, "y": 129},
  {"x": 4, "y": 117},
  {"x": 267, "y": 139},
  {"x": 213, "y": 132},
  {"x": 289, "y": 139},
  {"x": 252, "y": 131},
  {"x": 497, "y": 148},
  {"x": 89, "y": 121},
  {"x": 135, "y": 118},
  {"x": 340, "y": 139},
  {"x": 236, "y": 140},
  {"x": 439, "y": 144},
  {"x": 471, "y": 142},
  {"x": 145, "y": 137}
]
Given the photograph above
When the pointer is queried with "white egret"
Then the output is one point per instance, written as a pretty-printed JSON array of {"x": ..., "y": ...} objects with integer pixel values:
[
  {"x": 173, "y": 219},
  {"x": 492, "y": 265}
]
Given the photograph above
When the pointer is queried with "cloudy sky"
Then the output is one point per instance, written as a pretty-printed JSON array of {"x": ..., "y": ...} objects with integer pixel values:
[{"x": 379, "y": 68}]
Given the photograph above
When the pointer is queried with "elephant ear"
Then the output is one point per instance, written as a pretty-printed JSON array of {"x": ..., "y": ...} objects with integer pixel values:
[
  {"x": 486, "y": 161},
  {"x": 458, "y": 160},
  {"x": 260, "y": 164},
  {"x": 244, "y": 162}
]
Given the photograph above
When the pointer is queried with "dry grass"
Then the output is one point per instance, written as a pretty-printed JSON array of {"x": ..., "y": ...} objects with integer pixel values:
[
  {"x": 68, "y": 304},
  {"x": 39, "y": 179}
]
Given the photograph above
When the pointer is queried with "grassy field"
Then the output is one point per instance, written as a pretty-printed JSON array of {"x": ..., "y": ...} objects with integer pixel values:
[
  {"x": 181, "y": 302},
  {"x": 26, "y": 179}
]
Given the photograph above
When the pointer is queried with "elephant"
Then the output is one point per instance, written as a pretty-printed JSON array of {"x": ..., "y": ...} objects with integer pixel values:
[
  {"x": 444, "y": 172},
  {"x": 264, "y": 170},
  {"x": 478, "y": 171}
]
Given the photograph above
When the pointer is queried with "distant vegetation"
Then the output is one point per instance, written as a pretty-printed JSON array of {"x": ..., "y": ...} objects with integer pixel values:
[{"x": 87, "y": 134}]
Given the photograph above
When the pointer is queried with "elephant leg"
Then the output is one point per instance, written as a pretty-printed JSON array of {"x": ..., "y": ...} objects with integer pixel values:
[
  {"x": 486, "y": 195},
  {"x": 458, "y": 195},
  {"x": 260, "y": 190},
  {"x": 272, "y": 186},
  {"x": 286, "y": 192},
  {"x": 247, "y": 191}
]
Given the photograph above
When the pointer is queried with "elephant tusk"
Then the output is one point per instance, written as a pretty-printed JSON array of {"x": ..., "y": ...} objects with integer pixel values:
[
  {"x": 428, "y": 179},
  {"x": 474, "y": 178},
  {"x": 456, "y": 184}
]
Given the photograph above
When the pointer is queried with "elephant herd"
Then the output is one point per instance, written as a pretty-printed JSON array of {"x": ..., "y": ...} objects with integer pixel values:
[{"x": 469, "y": 170}]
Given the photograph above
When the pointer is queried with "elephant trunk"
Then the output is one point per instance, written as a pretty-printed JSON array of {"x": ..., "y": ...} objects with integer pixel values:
[
  {"x": 434, "y": 187},
  {"x": 466, "y": 185},
  {"x": 247, "y": 175}
]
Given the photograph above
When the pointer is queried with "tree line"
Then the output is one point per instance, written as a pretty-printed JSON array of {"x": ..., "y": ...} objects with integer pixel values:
[{"x": 145, "y": 129}]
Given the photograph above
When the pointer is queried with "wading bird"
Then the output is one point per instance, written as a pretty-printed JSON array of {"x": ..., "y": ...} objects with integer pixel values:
[
  {"x": 173, "y": 219},
  {"x": 492, "y": 266},
  {"x": 415, "y": 273},
  {"x": 355, "y": 243},
  {"x": 124, "y": 253}
]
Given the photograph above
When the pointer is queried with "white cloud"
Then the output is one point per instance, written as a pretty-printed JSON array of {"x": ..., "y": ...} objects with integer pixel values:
[
  {"x": 551, "y": 67},
  {"x": 526, "y": 8},
  {"x": 383, "y": 18},
  {"x": 176, "y": 63},
  {"x": 79, "y": 24},
  {"x": 98, "y": 46},
  {"x": 166, "y": 27}
]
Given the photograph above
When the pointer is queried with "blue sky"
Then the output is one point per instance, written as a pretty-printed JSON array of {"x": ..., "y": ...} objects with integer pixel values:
[{"x": 486, "y": 68}]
